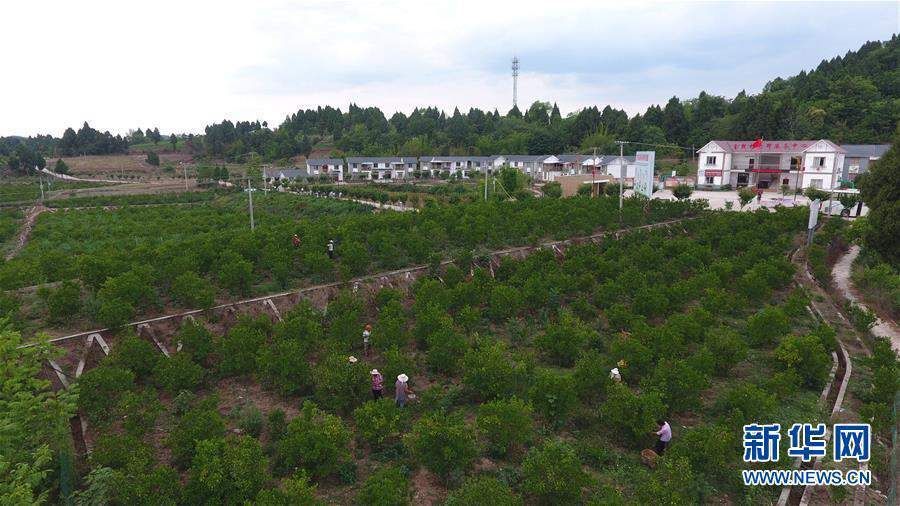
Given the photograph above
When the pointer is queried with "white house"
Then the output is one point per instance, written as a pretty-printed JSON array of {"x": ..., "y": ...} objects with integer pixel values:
[
  {"x": 333, "y": 167},
  {"x": 462, "y": 165},
  {"x": 615, "y": 166},
  {"x": 381, "y": 168},
  {"x": 561, "y": 165},
  {"x": 770, "y": 164}
]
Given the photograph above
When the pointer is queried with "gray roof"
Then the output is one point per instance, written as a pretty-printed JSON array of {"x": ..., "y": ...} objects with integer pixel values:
[
  {"x": 442, "y": 158},
  {"x": 381, "y": 159},
  {"x": 525, "y": 158},
  {"x": 865, "y": 150},
  {"x": 573, "y": 158},
  {"x": 287, "y": 173},
  {"x": 324, "y": 161},
  {"x": 608, "y": 159}
]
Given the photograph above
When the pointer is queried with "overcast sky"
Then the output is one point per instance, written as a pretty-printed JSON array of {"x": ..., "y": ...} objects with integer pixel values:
[{"x": 180, "y": 65}]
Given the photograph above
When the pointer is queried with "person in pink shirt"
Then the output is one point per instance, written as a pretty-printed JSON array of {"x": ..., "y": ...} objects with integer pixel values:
[
  {"x": 665, "y": 435},
  {"x": 377, "y": 384}
]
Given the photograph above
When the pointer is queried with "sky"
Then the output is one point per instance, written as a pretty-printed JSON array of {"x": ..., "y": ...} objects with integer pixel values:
[{"x": 181, "y": 65}]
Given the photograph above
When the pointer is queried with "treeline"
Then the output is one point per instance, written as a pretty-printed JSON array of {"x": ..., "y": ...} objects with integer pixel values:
[
  {"x": 88, "y": 141},
  {"x": 850, "y": 99}
]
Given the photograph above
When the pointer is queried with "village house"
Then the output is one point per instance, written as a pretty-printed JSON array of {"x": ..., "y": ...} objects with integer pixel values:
[
  {"x": 333, "y": 167},
  {"x": 464, "y": 166},
  {"x": 381, "y": 168},
  {"x": 770, "y": 164},
  {"x": 858, "y": 157}
]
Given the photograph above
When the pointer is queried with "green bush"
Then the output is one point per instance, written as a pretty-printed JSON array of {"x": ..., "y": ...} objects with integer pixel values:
[
  {"x": 673, "y": 483},
  {"x": 196, "y": 340},
  {"x": 632, "y": 416},
  {"x": 727, "y": 349},
  {"x": 553, "y": 396},
  {"x": 121, "y": 451},
  {"x": 226, "y": 471},
  {"x": 238, "y": 348},
  {"x": 295, "y": 491},
  {"x": 63, "y": 303},
  {"x": 386, "y": 487},
  {"x": 339, "y": 384},
  {"x": 745, "y": 403},
  {"x": 504, "y": 303},
  {"x": 591, "y": 376},
  {"x": 135, "y": 354},
  {"x": 191, "y": 291},
  {"x": 315, "y": 441},
  {"x": 378, "y": 422},
  {"x": 138, "y": 411},
  {"x": 446, "y": 347},
  {"x": 235, "y": 273},
  {"x": 483, "y": 490},
  {"x": 563, "y": 341},
  {"x": 248, "y": 418},
  {"x": 679, "y": 383},
  {"x": 552, "y": 474},
  {"x": 505, "y": 424},
  {"x": 807, "y": 356},
  {"x": 178, "y": 373},
  {"x": 490, "y": 372},
  {"x": 100, "y": 390},
  {"x": 198, "y": 423},
  {"x": 282, "y": 365},
  {"x": 709, "y": 449},
  {"x": 682, "y": 191},
  {"x": 442, "y": 443},
  {"x": 767, "y": 325}
]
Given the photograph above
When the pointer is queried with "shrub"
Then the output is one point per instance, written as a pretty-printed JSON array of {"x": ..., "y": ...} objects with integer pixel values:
[
  {"x": 114, "y": 314},
  {"x": 121, "y": 451},
  {"x": 552, "y": 190},
  {"x": 190, "y": 290},
  {"x": 727, "y": 349},
  {"x": 682, "y": 191},
  {"x": 138, "y": 411},
  {"x": 489, "y": 372},
  {"x": 442, "y": 443},
  {"x": 396, "y": 361},
  {"x": 198, "y": 423},
  {"x": 446, "y": 347},
  {"x": 295, "y": 491},
  {"x": 135, "y": 354},
  {"x": 282, "y": 366},
  {"x": 631, "y": 415},
  {"x": 235, "y": 273},
  {"x": 710, "y": 451},
  {"x": 552, "y": 474},
  {"x": 339, "y": 384},
  {"x": 767, "y": 325},
  {"x": 196, "y": 340},
  {"x": 238, "y": 348},
  {"x": 504, "y": 303},
  {"x": 249, "y": 419},
  {"x": 553, "y": 396},
  {"x": 386, "y": 487},
  {"x": 679, "y": 383},
  {"x": 390, "y": 328},
  {"x": 745, "y": 403},
  {"x": 745, "y": 195},
  {"x": 483, "y": 490},
  {"x": 100, "y": 390},
  {"x": 62, "y": 303},
  {"x": 861, "y": 318},
  {"x": 315, "y": 441},
  {"x": 591, "y": 376},
  {"x": 562, "y": 342},
  {"x": 378, "y": 422},
  {"x": 178, "y": 373},
  {"x": 153, "y": 158},
  {"x": 505, "y": 424},
  {"x": 807, "y": 356},
  {"x": 226, "y": 471},
  {"x": 673, "y": 483}
]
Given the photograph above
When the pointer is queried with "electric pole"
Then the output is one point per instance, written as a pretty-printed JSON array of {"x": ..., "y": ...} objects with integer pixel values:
[
  {"x": 515, "y": 76},
  {"x": 250, "y": 192},
  {"x": 621, "y": 174}
]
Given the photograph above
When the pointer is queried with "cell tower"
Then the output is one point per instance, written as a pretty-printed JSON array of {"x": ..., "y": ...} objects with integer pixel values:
[{"x": 515, "y": 72}]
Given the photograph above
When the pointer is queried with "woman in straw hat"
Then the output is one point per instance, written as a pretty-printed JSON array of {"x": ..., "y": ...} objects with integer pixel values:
[
  {"x": 401, "y": 390},
  {"x": 377, "y": 384}
]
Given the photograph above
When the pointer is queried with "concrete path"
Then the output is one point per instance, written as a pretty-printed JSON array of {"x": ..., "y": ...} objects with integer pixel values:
[
  {"x": 25, "y": 231},
  {"x": 841, "y": 275}
]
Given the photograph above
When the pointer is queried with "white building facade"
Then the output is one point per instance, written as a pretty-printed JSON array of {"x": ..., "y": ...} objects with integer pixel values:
[{"x": 770, "y": 164}]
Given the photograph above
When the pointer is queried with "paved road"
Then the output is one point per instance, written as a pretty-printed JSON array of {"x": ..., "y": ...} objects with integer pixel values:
[
  {"x": 717, "y": 199},
  {"x": 841, "y": 275}
]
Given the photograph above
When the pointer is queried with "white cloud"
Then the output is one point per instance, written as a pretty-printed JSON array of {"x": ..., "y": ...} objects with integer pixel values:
[{"x": 180, "y": 65}]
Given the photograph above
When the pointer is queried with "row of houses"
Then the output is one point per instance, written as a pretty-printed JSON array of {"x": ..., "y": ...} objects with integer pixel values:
[
  {"x": 540, "y": 167},
  {"x": 767, "y": 164}
]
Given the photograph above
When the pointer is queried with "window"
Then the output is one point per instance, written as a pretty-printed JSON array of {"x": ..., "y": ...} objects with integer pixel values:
[
  {"x": 710, "y": 160},
  {"x": 815, "y": 183},
  {"x": 854, "y": 169},
  {"x": 785, "y": 181},
  {"x": 818, "y": 161},
  {"x": 710, "y": 180}
]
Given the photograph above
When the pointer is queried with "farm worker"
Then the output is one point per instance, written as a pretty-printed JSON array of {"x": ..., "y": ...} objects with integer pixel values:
[
  {"x": 352, "y": 359},
  {"x": 614, "y": 375},
  {"x": 296, "y": 240},
  {"x": 665, "y": 435},
  {"x": 377, "y": 384},
  {"x": 367, "y": 331},
  {"x": 330, "y": 249},
  {"x": 759, "y": 195},
  {"x": 401, "y": 390}
]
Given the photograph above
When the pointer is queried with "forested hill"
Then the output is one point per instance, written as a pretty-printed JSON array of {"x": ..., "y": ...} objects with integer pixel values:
[{"x": 849, "y": 99}]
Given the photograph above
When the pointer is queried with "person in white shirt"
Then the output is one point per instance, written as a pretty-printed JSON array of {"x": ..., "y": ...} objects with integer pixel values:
[{"x": 665, "y": 435}]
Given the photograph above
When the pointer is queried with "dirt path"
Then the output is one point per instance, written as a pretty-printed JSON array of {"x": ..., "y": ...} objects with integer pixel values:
[
  {"x": 841, "y": 275},
  {"x": 25, "y": 232}
]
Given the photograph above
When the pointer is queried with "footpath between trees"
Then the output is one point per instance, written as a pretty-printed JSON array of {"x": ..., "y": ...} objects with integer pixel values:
[{"x": 841, "y": 273}]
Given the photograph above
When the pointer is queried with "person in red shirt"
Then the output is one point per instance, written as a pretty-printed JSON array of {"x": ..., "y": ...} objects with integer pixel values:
[{"x": 377, "y": 384}]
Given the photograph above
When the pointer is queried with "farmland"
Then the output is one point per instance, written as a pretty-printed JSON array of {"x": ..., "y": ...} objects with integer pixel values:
[{"x": 510, "y": 373}]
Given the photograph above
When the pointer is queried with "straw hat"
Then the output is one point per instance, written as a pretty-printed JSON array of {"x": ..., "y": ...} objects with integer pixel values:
[
  {"x": 368, "y": 327},
  {"x": 352, "y": 359},
  {"x": 403, "y": 378},
  {"x": 374, "y": 372}
]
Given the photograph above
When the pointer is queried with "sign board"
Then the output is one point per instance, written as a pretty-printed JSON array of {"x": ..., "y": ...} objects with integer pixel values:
[
  {"x": 643, "y": 174},
  {"x": 814, "y": 207}
]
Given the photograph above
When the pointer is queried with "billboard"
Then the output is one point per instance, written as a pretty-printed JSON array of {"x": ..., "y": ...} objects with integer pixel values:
[{"x": 643, "y": 174}]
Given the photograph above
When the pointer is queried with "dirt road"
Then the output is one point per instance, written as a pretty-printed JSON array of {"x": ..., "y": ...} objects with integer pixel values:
[
  {"x": 25, "y": 231},
  {"x": 841, "y": 275}
]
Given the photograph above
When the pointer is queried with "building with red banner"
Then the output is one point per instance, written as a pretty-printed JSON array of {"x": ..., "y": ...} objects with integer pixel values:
[{"x": 769, "y": 165}]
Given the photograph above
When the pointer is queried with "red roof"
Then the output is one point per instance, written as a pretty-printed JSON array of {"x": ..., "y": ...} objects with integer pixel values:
[{"x": 767, "y": 146}]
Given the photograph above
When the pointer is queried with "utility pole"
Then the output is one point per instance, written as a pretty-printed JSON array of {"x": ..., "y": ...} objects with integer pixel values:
[
  {"x": 40, "y": 182},
  {"x": 185, "y": 175},
  {"x": 621, "y": 174},
  {"x": 250, "y": 192},
  {"x": 594, "y": 174},
  {"x": 515, "y": 76}
]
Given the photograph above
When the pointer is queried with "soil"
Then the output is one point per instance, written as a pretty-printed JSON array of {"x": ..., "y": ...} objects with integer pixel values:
[
  {"x": 25, "y": 232},
  {"x": 427, "y": 489}
]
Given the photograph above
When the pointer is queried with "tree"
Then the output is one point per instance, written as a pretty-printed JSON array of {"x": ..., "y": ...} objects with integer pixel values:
[
  {"x": 880, "y": 190},
  {"x": 315, "y": 441},
  {"x": 153, "y": 158},
  {"x": 340, "y": 385},
  {"x": 746, "y": 195},
  {"x": 505, "y": 423},
  {"x": 631, "y": 415},
  {"x": 178, "y": 373},
  {"x": 227, "y": 471},
  {"x": 768, "y": 324},
  {"x": 807, "y": 356},
  {"x": 442, "y": 443},
  {"x": 100, "y": 391},
  {"x": 190, "y": 290},
  {"x": 378, "y": 422},
  {"x": 235, "y": 273},
  {"x": 483, "y": 490},
  {"x": 386, "y": 487},
  {"x": 199, "y": 423},
  {"x": 564, "y": 340},
  {"x": 35, "y": 421},
  {"x": 238, "y": 348},
  {"x": 682, "y": 191},
  {"x": 282, "y": 366},
  {"x": 61, "y": 167},
  {"x": 173, "y": 140},
  {"x": 552, "y": 474},
  {"x": 295, "y": 491},
  {"x": 553, "y": 396},
  {"x": 552, "y": 190},
  {"x": 62, "y": 303},
  {"x": 489, "y": 372}
]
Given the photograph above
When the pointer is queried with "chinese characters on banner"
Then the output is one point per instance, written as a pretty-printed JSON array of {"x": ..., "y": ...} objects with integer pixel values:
[{"x": 807, "y": 441}]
